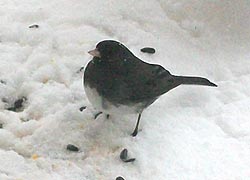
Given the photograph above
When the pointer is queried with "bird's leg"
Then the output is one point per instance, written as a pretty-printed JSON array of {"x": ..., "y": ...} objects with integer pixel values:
[
  {"x": 107, "y": 116},
  {"x": 97, "y": 114},
  {"x": 137, "y": 126}
]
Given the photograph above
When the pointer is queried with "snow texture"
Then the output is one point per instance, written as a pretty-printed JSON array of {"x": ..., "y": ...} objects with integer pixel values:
[{"x": 190, "y": 133}]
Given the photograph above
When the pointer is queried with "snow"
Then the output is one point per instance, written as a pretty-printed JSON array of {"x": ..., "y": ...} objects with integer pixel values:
[{"x": 191, "y": 133}]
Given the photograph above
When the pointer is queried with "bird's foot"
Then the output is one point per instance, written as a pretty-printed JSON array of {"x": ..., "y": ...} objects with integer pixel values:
[
  {"x": 97, "y": 114},
  {"x": 134, "y": 133}
]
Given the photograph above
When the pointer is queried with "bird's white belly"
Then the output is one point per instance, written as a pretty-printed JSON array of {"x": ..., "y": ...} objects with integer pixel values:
[
  {"x": 103, "y": 105},
  {"x": 94, "y": 98}
]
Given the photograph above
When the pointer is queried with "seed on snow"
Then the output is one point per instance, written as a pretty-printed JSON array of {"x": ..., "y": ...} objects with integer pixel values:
[
  {"x": 34, "y": 26},
  {"x": 148, "y": 50},
  {"x": 124, "y": 156},
  {"x": 119, "y": 178},
  {"x": 72, "y": 147},
  {"x": 82, "y": 108}
]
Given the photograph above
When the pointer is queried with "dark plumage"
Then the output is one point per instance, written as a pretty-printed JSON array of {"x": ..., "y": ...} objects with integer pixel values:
[{"x": 115, "y": 78}]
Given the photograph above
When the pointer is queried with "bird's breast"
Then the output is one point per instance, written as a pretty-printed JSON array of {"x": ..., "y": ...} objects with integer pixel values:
[
  {"x": 110, "y": 90},
  {"x": 100, "y": 103}
]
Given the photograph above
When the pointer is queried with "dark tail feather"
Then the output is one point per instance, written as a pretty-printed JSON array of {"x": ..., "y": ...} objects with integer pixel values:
[{"x": 193, "y": 80}]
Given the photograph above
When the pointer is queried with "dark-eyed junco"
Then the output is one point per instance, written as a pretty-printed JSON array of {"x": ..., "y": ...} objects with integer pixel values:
[{"x": 117, "y": 82}]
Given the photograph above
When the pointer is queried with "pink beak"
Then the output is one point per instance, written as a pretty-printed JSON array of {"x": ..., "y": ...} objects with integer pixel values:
[{"x": 95, "y": 53}]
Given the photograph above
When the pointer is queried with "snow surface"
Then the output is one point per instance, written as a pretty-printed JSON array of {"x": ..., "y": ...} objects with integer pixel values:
[{"x": 191, "y": 133}]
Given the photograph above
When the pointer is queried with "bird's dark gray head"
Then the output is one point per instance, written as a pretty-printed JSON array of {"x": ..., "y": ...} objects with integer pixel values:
[{"x": 110, "y": 50}]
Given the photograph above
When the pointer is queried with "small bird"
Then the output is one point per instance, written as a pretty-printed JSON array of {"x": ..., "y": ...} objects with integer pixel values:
[{"x": 117, "y": 82}]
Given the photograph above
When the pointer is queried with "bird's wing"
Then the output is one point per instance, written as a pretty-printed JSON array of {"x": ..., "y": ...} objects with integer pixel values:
[
  {"x": 133, "y": 81},
  {"x": 148, "y": 81}
]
